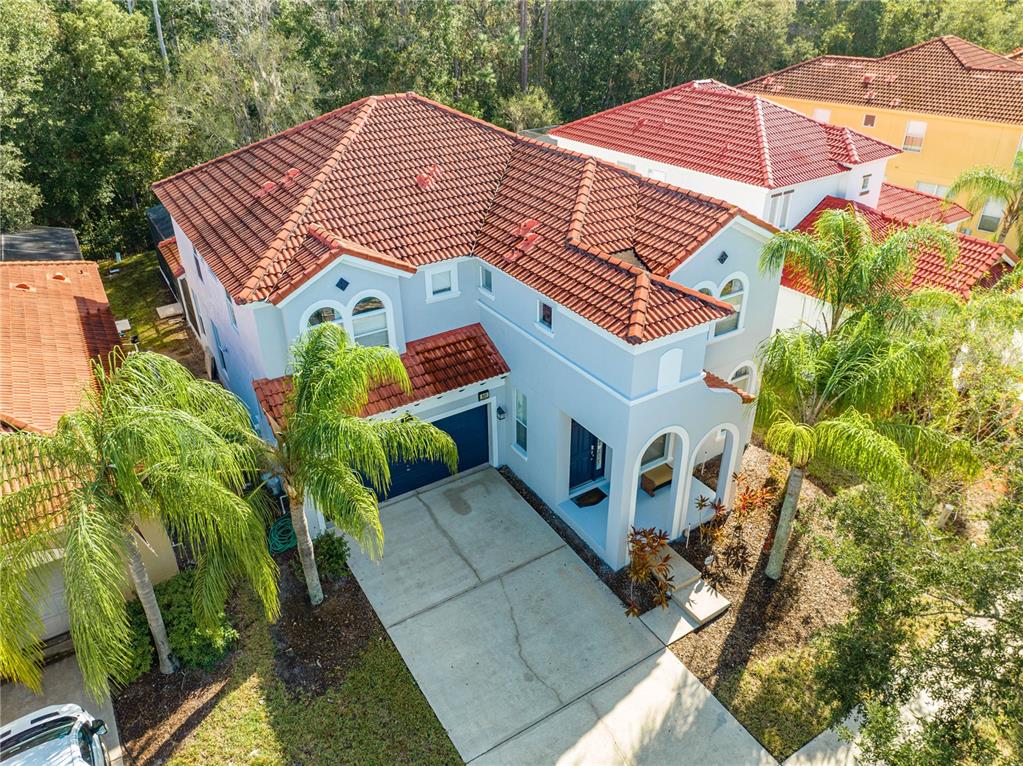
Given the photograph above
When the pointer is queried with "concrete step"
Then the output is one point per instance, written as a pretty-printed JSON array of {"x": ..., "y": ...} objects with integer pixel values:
[
  {"x": 671, "y": 624},
  {"x": 684, "y": 573},
  {"x": 700, "y": 601}
]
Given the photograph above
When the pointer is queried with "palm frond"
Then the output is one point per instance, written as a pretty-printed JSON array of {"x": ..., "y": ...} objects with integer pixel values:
[
  {"x": 852, "y": 441},
  {"x": 932, "y": 449},
  {"x": 982, "y": 183},
  {"x": 341, "y": 496}
]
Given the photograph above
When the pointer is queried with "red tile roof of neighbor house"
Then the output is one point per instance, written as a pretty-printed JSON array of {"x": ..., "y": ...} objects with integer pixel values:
[
  {"x": 915, "y": 206},
  {"x": 169, "y": 250},
  {"x": 713, "y": 128},
  {"x": 54, "y": 319},
  {"x": 405, "y": 181},
  {"x": 435, "y": 365},
  {"x": 978, "y": 262},
  {"x": 945, "y": 75}
]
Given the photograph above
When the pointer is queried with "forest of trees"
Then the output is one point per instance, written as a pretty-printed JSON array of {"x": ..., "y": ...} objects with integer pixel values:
[{"x": 98, "y": 100}]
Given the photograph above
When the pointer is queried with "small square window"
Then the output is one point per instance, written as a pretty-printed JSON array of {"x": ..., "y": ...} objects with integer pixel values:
[
  {"x": 440, "y": 283},
  {"x": 869, "y": 120},
  {"x": 914, "y": 139},
  {"x": 865, "y": 184},
  {"x": 991, "y": 216},
  {"x": 822, "y": 115},
  {"x": 486, "y": 279},
  {"x": 545, "y": 315}
]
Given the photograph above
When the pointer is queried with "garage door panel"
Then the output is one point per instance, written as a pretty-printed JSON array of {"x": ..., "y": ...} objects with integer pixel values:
[{"x": 471, "y": 432}]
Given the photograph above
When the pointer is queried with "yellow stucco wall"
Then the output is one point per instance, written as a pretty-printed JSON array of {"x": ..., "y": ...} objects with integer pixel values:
[{"x": 950, "y": 145}]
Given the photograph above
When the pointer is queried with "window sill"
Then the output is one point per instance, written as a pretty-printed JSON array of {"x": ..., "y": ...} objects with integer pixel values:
[
  {"x": 519, "y": 451},
  {"x": 443, "y": 296},
  {"x": 487, "y": 293},
  {"x": 548, "y": 331}
]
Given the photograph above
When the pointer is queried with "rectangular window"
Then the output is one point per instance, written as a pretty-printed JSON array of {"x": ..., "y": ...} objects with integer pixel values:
[
  {"x": 440, "y": 283},
  {"x": 778, "y": 212},
  {"x": 865, "y": 184},
  {"x": 822, "y": 115},
  {"x": 486, "y": 279},
  {"x": 545, "y": 315},
  {"x": 521, "y": 422},
  {"x": 991, "y": 216},
  {"x": 230, "y": 309},
  {"x": 221, "y": 351},
  {"x": 198, "y": 265},
  {"x": 914, "y": 140},
  {"x": 869, "y": 120},
  {"x": 928, "y": 188}
]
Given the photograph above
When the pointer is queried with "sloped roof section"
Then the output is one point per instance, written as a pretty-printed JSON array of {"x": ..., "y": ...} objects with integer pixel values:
[
  {"x": 169, "y": 250},
  {"x": 713, "y": 128},
  {"x": 915, "y": 206},
  {"x": 979, "y": 261},
  {"x": 54, "y": 319},
  {"x": 405, "y": 181},
  {"x": 946, "y": 75},
  {"x": 436, "y": 364}
]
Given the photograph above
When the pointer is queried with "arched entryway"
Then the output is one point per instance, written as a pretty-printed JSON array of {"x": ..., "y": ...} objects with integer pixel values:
[
  {"x": 660, "y": 481},
  {"x": 713, "y": 462}
]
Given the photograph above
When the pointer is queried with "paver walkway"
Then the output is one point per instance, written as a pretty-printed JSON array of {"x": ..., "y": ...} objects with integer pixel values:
[{"x": 522, "y": 652}]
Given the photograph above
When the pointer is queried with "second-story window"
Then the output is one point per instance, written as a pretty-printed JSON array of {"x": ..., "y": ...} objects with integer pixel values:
[
  {"x": 822, "y": 115},
  {"x": 869, "y": 120},
  {"x": 486, "y": 279},
  {"x": 369, "y": 323},
  {"x": 778, "y": 210},
  {"x": 915, "y": 132},
  {"x": 991, "y": 216},
  {"x": 733, "y": 292},
  {"x": 441, "y": 283},
  {"x": 865, "y": 184},
  {"x": 324, "y": 314},
  {"x": 521, "y": 422},
  {"x": 545, "y": 316},
  {"x": 198, "y": 265},
  {"x": 743, "y": 378},
  {"x": 230, "y": 308}
]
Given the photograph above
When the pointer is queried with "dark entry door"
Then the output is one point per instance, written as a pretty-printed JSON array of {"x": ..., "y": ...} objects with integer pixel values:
[
  {"x": 586, "y": 458},
  {"x": 470, "y": 431}
]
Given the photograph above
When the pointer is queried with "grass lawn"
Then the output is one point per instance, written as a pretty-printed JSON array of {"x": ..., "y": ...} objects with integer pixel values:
[
  {"x": 135, "y": 292},
  {"x": 377, "y": 715}
]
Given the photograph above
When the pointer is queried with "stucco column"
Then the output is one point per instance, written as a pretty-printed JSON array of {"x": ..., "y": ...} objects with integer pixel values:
[{"x": 621, "y": 503}]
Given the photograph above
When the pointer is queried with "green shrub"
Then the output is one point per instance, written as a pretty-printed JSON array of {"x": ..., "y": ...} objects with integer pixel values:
[
  {"x": 331, "y": 552},
  {"x": 140, "y": 644},
  {"x": 193, "y": 646}
]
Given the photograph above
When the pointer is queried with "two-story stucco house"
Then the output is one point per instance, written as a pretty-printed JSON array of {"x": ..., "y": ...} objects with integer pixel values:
[{"x": 544, "y": 302}]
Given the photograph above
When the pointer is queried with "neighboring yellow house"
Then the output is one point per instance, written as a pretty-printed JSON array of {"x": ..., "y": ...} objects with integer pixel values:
[{"x": 949, "y": 104}]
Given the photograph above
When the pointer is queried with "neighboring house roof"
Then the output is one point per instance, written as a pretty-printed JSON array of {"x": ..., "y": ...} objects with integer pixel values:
[
  {"x": 405, "y": 181},
  {"x": 978, "y": 262},
  {"x": 946, "y": 75},
  {"x": 40, "y": 243},
  {"x": 169, "y": 250},
  {"x": 1016, "y": 55},
  {"x": 435, "y": 364},
  {"x": 713, "y": 381},
  {"x": 915, "y": 206},
  {"x": 54, "y": 319},
  {"x": 713, "y": 128}
]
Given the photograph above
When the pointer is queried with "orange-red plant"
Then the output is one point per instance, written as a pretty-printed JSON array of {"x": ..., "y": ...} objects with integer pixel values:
[{"x": 649, "y": 566}]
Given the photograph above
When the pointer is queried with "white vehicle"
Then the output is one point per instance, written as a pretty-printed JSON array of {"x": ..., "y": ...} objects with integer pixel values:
[{"x": 57, "y": 734}]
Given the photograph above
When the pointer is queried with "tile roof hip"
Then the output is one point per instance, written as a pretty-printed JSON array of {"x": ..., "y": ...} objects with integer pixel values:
[{"x": 355, "y": 191}]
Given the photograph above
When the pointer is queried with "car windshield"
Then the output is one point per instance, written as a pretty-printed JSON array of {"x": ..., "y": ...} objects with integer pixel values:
[{"x": 46, "y": 736}]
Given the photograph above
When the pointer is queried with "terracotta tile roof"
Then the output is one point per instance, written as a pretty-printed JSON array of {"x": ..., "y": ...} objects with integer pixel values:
[
  {"x": 978, "y": 262},
  {"x": 169, "y": 250},
  {"x": 406, "y": 181},
  {"x": 915, "y": 206},
  {"x": 435, "y": 365},
  {"x": 54, "y": 318},
  {"x": 945, "y": 75},
  {"x": 713, "y": 128},
  {"x": 713, "y": 381},
  {"x": 1016, "y": 55}
]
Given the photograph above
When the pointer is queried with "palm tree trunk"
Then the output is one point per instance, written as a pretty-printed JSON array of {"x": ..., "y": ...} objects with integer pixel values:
[
  {"x": 147, "y": 597},
  {"x": 159, "y": 37},
  {"x": 305, "y": 548},
  {"x": 785, "y": 518},
  {"x": 524, "y": 39}
]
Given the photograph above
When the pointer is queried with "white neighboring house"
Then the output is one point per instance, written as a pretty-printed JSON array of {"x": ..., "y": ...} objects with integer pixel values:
[{"x": 544, "y": 302}]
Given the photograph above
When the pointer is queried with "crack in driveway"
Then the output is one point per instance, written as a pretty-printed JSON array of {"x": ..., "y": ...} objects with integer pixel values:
[
  {"x": 449, "y": 538},
  {"x": 518, "y": 644}
]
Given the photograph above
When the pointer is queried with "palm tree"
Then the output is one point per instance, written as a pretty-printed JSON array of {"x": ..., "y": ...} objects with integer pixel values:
[
  {"x": 840, "y": 398},
  {"x": 324, "y": 449},
  {"x": 984, "y": 183},
  {"x": 149, "y": 442},
  {"x": 848, "y": 269}
]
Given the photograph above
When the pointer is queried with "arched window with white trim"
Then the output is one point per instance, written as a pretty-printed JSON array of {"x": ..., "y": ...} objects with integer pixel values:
[
  {"x": 369, "y": 322},
  {"x": 323, "y": 314},
  {"x": 742, "y": 378},
  {"x": 733, "y": 292}
]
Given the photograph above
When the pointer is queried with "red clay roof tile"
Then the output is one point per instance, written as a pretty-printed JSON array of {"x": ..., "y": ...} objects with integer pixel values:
[
  {"x": 169, "y": 250},
  {"x": 713, "y": 381},
  {"x": 946, "y": 75},
  {"x": 713, "y": 128},
  {"x": 268, "y": 216},
  {"x": 915, "y": 206}
]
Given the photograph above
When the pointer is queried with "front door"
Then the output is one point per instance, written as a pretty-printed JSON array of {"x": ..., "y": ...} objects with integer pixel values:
[{"x": 586, "y": 460}]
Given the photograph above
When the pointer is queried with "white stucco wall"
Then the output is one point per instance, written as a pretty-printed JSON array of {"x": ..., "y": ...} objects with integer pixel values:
[{"x": 796, "y": 309}]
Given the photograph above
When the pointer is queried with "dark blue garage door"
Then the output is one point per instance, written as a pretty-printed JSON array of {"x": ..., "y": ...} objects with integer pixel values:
[{"x": 470, "y": 431}]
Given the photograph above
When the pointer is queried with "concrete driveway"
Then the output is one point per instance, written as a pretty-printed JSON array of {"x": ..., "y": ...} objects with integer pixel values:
[
  {"x": 522, "y": 652},
  {"x": 62, "y": 683}
]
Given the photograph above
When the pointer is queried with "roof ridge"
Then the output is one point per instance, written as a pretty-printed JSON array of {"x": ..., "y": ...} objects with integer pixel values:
[
  {"x": 850, "y": 144},
  {"x": 582, "y": 202},
  {"x": 681, "y": 86},
  {"x": 289, "y": 225},
  {"x": 765, "y": 153},
  {"x": 638, "y": 315}
]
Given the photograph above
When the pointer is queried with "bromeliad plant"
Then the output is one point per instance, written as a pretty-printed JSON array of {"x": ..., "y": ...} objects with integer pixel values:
[
  {"x": 327, "y": 452},
  {"x": 649, "y": 566},
  {"x": 149, "y": 443}
]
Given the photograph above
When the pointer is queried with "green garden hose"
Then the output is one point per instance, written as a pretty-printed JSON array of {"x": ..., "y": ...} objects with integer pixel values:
[{"x": 282, "y": 535}]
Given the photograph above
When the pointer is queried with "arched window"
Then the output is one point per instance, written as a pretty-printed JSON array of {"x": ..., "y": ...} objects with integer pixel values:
[
  {"x": 734, "y": 292},
  {"x": 743, "y": 378},
  {"x": 369, "y": 322},
  {"x": 324, "y": 314}
]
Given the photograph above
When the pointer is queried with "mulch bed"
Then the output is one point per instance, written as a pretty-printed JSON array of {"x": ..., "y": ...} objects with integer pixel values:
[
  {"x": 766, "y": 617},
  {"x": 302, "y": 658},
  {"x": 617, "y": 581}
]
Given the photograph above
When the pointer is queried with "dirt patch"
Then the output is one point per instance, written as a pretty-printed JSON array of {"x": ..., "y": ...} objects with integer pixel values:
[
  {"x": 303, "y": 660},
  {"x": 157, "y": 712},
  {"x": 766, "y": 618}
]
